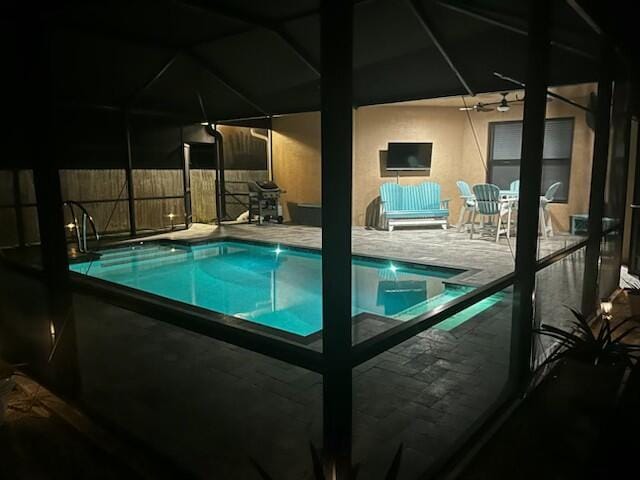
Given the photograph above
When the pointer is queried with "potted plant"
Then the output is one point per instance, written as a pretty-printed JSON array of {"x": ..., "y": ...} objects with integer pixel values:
[
  {"x": 591, "y": 362},
  {"x": 6, "y": 386},
  {"x": 318, "y": 470}
]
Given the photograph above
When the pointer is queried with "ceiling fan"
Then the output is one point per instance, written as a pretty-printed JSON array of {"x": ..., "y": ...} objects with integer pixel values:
[
  {"x": 478, "y": 107},
  {"x": 502, "y": 106}
]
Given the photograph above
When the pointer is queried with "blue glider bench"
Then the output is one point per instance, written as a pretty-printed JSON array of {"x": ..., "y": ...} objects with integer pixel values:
[{"x": 413, "y": 205}]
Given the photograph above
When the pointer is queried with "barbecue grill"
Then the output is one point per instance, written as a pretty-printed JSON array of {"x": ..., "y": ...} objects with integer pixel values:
[{"x": 264, "y": 201}]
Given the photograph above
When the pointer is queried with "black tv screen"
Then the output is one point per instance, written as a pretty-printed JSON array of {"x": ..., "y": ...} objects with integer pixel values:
[{"x": 409, "y": 156}]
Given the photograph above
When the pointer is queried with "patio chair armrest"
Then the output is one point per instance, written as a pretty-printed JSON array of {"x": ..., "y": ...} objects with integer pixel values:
[{"x": 445, "y": 203}]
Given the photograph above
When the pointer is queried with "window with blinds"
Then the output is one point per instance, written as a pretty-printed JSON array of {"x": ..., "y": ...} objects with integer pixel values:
[{"x": 505, "y": 146}]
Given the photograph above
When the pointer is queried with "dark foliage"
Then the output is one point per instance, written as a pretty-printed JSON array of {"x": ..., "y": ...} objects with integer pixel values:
[
  {"x": 605, "y": 346},
  {"x": 318, "y": 470}
]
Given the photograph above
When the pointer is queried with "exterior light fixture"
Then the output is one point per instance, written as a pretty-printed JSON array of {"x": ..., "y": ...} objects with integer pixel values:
[
  {"x": 70, "y": 226},
  {"x": 171, "y": 217},
  {"x": 606, "y": 307},
  {"x": 503, "y": 106},
  {"x": 52, "y": 330}
]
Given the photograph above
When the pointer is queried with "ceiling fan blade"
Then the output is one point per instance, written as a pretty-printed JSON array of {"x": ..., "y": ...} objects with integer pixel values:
[{"x": 488, "y": 104}]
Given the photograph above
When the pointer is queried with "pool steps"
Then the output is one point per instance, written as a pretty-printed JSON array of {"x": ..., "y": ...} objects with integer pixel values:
[
  {"x": 140, "y": 255},
  {"x": 127, "y": 252}
]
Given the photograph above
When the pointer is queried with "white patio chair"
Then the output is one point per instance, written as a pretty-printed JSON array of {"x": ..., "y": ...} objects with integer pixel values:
[
  {"x": 546, "y": 224},
  {"x": 468, "y": 204}
]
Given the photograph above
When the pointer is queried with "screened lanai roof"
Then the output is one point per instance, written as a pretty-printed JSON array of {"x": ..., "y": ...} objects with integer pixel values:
[{"x": 247, "y": 58}]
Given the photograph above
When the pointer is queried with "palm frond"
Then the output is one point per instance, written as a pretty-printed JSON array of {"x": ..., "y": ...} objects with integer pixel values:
[
  {"x": 623, "y": 323},
  {"x": 582, "y": 323},
  {"x": 558, "y": 334},
  {"x": 263, "y": 474},
  {"x": 554, "y": 357},
  {"x": 394, "y": 469},
  {"x": 596, "y": 346},
  {"x": 318, "y": 471},
  {"x": 620, "y": 337}
]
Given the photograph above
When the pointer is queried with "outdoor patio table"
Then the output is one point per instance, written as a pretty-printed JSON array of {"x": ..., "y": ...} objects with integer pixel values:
[
  {"x": 509, "y": 193},
  {"x": 510, "y": 197}
]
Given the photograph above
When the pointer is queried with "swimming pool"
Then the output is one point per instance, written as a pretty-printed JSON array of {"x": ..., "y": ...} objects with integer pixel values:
[{"x": 270, "y": 285}]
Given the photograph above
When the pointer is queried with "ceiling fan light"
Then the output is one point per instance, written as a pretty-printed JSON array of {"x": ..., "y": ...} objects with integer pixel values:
[{"x": 503, "y": 108}]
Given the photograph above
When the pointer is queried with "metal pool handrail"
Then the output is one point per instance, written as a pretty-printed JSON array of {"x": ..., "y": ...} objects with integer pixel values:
[{"x": 81, "y": 231}]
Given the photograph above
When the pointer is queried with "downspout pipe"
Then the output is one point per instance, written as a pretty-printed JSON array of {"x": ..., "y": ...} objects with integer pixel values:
[
  {"x": 221, "y": 208},
  {"x": 267, "y": 140}
]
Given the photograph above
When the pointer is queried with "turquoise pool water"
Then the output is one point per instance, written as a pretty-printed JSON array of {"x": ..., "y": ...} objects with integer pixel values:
[{"x": 272, "y": 286}]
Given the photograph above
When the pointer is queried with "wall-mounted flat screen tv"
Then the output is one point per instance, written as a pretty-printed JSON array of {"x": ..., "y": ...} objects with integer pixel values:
[{"x": 409, "y": 156}]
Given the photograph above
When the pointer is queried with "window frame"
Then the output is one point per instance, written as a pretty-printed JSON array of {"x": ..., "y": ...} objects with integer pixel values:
[{"x": 545, "y": 161}]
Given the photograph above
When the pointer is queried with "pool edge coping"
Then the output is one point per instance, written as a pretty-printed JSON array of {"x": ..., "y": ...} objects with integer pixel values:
[{"x": 457, "y": 279}]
